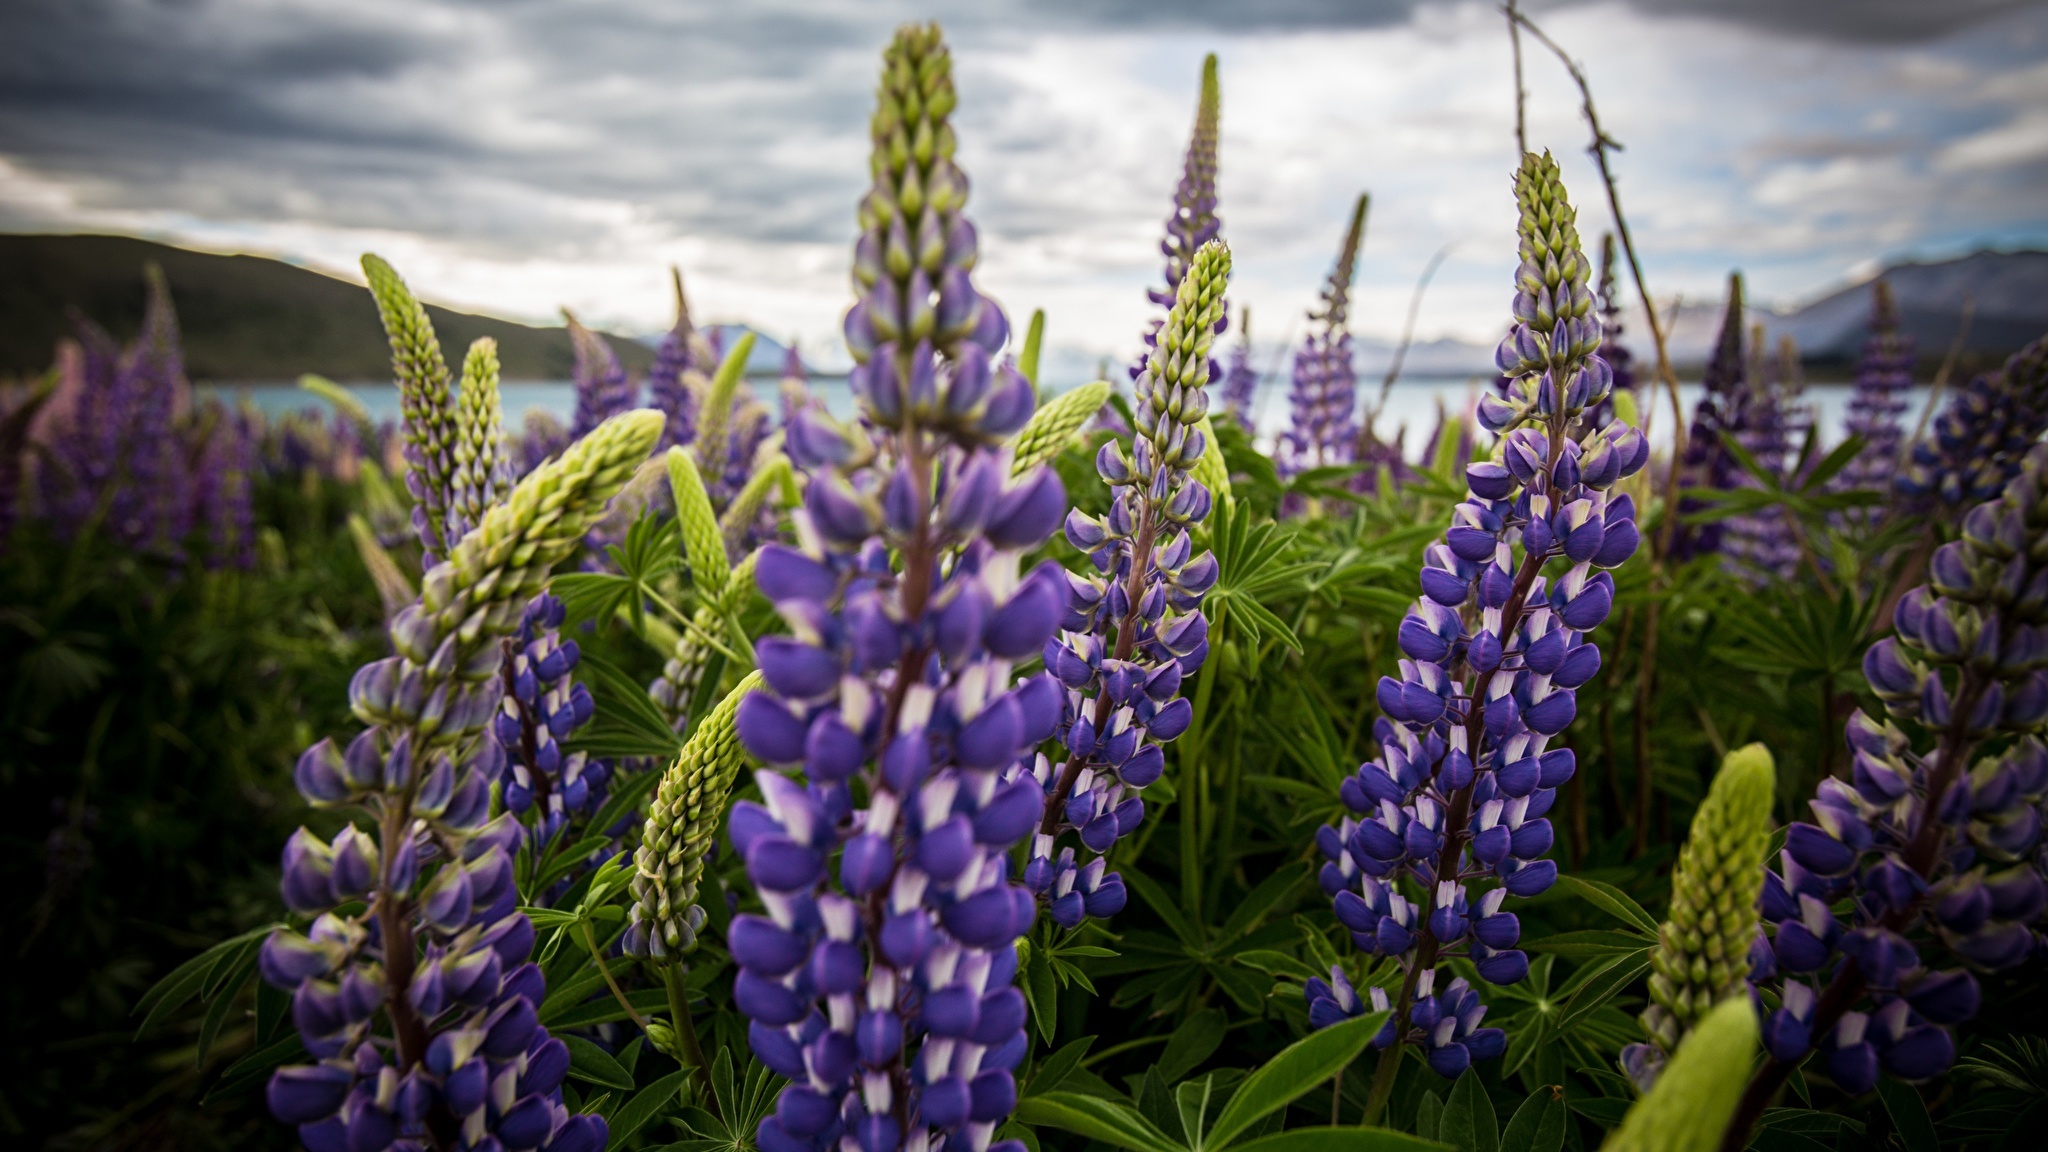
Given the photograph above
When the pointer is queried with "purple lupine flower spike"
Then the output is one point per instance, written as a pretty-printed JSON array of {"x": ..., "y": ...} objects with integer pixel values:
[
  {"x": 1241, "y": 380},
  {"x": 1194, "y": 221},
  {"x": 1723, "y": 408},
  {"x": 1619, "y": 360},
  {"x": 603, "y": 389},
  {"x": 1760, "y": 546},
  {"x": 1130, "y": 637},
  {"x": 1884, "y": 376},
  {"x": 1493, "y": 652},
  {"x": 412, "y": 989},
  {"x": 1934, "y": 853},
  {"x": 795, "y": 386},
  {"x": 1322, "y": 427},
  {"x": 668, "y": 390},
  {"x": 1977, "y": 443},
  {"x": 880, "y": 976},
  {"x": 547, "y": 787}
]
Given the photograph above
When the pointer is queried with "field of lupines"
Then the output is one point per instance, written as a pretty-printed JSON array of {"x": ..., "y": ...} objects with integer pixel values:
[{"x": 1011, "y": 771}]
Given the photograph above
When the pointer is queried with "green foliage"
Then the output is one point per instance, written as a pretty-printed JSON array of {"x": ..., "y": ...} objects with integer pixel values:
[{"x": 1695, "y": 1096}]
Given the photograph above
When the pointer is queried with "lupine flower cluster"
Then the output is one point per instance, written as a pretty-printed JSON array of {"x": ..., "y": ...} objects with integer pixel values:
[
  {"x": 427, "y": 402},
  {"x": 676, "y": 381},
  {"x": 795, "y": 385},
  {"x": 1883, "y": 377},
  {"x": 1194, "y": 221},
  {"x": 603, "y": 390},
  {"x": 439, "y": 950},
  {"x": 1978, "y": 441},
  {"x": 884, "y": 987},
  {"x": 547, "y": 787},
  {"x": 1131, "y": 636},
  {"x": 1723, "y": 408},
  {"x": 1493, "y": 653},
  {"x": 224, "y": 487},
  {"x": 1619, "y": 360},
  {"x": 116, "y": 455},
  {"x": 1933, "y": 851},
  {"x": 1703, "y": 946},
  {"x": 1758, "y": 545},
  {"x": 1322, "y": 425},
  {"x": 1240, "y": 379}
]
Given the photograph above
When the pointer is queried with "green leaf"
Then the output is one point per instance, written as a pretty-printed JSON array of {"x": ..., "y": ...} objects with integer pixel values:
[
  {"x": 1297, "y": 1069},
  {"x": 1058, "y": 1066},
  {"x": 1611, "y": 899},
  {"x": 255, "y": 1068},
  {"x": 1468, "y": 1122},
  {"x": 1588, "y": 943},
  {"x": 1191, "y": 1103},
  {"x": 1909, "y": 1115},
  {"x": 1341, "y": 1140},
  {"x": 1260, "y": 901},
  {"x": 607, "y": 1010},
  {"x": 1614, "y": 975},
  {"x": 1538, "y": 1125},
  {"x": 628, "y": 1121},
  {"x": 1042, "y": 991},
  {"x": 1194, "y": 1041},
  {"x": 627, "y": 722},
  {"x": 225, "y": 991},
  {"x": 186, "y": 980},
  {"x": 589, "y": 1062},
  {"x": 1156, "y": 898},
  {"x": 1097, "y": 1119}
]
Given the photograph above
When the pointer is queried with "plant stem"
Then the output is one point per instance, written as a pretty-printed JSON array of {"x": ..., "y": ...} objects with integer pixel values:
[
  {"x": 686, "y": 1033},
  {"x": 597, "y": 957}
]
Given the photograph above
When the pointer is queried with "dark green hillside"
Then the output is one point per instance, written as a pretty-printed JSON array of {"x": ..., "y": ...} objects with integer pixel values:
[{"x": 244, "y": 317}]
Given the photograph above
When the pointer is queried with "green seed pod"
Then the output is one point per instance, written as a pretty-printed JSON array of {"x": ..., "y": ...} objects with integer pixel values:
[
  {"x": 1702, "y": 955},
  {"x": 1695, "y": 1098},
  {"x": 1055, "y": 425},
  {"x": 681, "y": 822}
]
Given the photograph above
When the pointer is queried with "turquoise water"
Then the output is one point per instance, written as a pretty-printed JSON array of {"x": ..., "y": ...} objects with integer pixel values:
[{"x": 1414, "y": 403}]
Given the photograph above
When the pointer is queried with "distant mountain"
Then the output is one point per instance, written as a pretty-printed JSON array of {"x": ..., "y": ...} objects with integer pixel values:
[
  {"x": 2009, "y": 290},
  {"x": 244, "y": 317}
]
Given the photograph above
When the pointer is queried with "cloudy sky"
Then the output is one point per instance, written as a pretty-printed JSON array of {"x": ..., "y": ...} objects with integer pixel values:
[{"x": 513, "y": 156}]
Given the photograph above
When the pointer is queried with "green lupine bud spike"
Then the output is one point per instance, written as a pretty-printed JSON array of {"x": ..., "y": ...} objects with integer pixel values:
[
  {"x": 771, "y": 471},
  {"x": 423, "y": 395},
  {"x": 1695, "y": 1098},
  {"x": 343, "y": 401},
  {"x": 479, "y": 443},
  {"x": 1034, "y": 338},
  {"x": 715, "y": 413},
  {"x": 681, "y": 823},
  {"x": 1702, "y": 955},
  {"x": 392, "y": 587},
  {"x": 1209, "y": 469},
  {"x": 674, "y": 691},
  {"x": 1055, "y": 424},
  {"x": 703, "y": 544},
  {"x": 1170, "y": 394},
  {"x": 485, "y": 583}
]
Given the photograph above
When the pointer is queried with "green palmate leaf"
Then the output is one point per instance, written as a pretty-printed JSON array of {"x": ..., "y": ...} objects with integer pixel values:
[
  {"x": 1260, "y": 902},
  {"x": 1164, "y": 905},
  {"x": 193, "y": 976},
  {"x": 1192, "y": 1102},
  {"x": 1341, "y": 1140},
  {"x": 1106, "y": 1121},
  {"x": 1297, "y": 1069},
  {"x": 1468, "y": 1123},
  {"x": 1843, "y": 454},
  {"x": 589, "y": 1062},
  {"x": 1689, "y": 1107},
  {"x": 1909, "y": 1115},
  {"x": 1538, "y": 1125},
  {"x": 607, "y": 1010},
  {"x": 627, "y": 722},
  {"x": 1612, "y": 900},
  {"x": 643, "y": 1107}
]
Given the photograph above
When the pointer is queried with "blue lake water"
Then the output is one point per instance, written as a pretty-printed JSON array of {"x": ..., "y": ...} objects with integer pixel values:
[{"x": 1414, "y": 403}]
